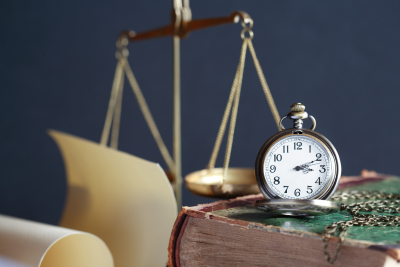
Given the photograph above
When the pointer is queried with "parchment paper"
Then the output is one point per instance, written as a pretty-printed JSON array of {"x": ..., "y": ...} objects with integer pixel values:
[
  {"x": 127, "y": 201},
  {"x": 26, "y": 243}
]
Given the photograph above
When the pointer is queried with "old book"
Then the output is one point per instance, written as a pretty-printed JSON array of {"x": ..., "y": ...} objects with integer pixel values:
[{"x": 234, "y": 233}]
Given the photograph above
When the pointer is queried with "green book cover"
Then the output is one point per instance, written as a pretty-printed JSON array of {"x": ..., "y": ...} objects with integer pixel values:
[{"x": 314, "y": 226}]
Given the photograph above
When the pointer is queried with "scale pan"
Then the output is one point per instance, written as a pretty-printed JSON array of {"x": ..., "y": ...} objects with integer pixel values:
[{"x": 207, "y": 183}]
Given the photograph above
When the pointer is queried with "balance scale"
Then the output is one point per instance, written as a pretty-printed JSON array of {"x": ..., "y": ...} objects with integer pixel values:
[{"x": 211, "y": 182}]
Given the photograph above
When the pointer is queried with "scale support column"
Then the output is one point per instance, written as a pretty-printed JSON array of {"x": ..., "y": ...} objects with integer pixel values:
[
  {"x": 177, "y": 151},
  {"x": 180, "y": 16}
]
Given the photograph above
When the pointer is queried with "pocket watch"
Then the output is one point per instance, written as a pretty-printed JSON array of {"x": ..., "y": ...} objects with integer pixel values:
[{"x": 297, "y": 169}]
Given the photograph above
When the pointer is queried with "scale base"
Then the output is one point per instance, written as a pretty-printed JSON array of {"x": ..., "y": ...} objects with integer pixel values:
[{"x": 297, "y": 207}]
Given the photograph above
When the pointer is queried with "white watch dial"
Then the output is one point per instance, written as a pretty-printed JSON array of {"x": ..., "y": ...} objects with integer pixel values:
[{"x": 297, "y": 167}]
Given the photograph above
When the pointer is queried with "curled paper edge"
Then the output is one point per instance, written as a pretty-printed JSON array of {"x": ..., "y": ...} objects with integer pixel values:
[
  {"x": 125, "y": 200},
  {"x": 42, "y": 245}
]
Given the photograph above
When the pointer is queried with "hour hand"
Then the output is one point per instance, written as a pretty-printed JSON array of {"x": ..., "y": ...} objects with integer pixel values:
[
  {"x": 302, "y": 167},
  {"x": 298, "y": 168},
  {"x": 305, "y": 167}
]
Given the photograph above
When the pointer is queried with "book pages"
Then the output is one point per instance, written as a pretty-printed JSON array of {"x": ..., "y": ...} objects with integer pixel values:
[
  {"x": 25, "y": 243},
  {"x": 126, "y": 201}
]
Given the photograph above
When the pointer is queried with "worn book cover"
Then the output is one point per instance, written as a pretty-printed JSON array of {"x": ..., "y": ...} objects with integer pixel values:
[{"x": 235, "y": 233}]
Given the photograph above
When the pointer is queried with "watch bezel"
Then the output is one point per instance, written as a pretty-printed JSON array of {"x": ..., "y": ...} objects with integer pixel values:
[{"x": 336, "y": 168}]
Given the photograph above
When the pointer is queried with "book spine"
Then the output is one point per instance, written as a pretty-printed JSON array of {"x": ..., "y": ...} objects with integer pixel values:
[{"x": 176, "y": 235}]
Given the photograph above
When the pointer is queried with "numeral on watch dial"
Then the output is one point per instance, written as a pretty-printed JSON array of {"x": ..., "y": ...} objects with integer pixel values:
[{"x": 299, "y": 162}]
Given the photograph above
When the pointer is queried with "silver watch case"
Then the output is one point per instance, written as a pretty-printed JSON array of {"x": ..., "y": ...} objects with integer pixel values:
[
  {"x": 293, "y": 207},
  {"x": 336, "y": 168}
]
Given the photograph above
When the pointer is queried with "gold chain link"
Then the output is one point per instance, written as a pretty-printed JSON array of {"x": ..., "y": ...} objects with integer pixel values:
[
  {"x": 234, "y": 110},
  {"x": 377, "y": 201},
  {"x": 232, "y": 96},
  {"x": 114, "y": 110},
  {"x": 117, "y": 115},
  {"x": 147, "y": 115},
  {"x": 265, "y": 86},
  {"x": 119, "y": 75}
]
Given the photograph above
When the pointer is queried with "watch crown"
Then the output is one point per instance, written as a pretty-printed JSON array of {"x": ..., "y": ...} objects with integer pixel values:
[
  {"x": 297, "y": 107},
  {"x": 297, "y": 115}
]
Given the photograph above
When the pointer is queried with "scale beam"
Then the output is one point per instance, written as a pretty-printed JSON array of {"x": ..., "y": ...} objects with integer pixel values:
[{"x": 183, "y": 28}]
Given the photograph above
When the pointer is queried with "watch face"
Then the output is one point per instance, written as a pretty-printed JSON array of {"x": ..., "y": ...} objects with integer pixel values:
[{"x": 297, "y": 167}]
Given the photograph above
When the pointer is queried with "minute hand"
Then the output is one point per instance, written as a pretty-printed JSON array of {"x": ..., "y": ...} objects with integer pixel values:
[{"x": 305, "y": 165}]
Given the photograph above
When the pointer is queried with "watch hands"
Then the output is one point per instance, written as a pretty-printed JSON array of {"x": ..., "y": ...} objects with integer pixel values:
[
  {"x": 305, "y": 171},
  {"x": 306, "y": 166},
  {"x": 303, "y": 166}
]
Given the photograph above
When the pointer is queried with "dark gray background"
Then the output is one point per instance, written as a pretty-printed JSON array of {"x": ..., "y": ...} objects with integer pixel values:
[{"x": 340, "y": 58}]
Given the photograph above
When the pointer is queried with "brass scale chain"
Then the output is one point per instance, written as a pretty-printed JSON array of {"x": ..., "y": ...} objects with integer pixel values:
[
  {"x": 376, "y": 201},
  {"x": 233, "y": 101}
]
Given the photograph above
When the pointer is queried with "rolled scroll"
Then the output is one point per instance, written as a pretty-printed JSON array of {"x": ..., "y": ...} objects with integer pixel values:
[{"x": 31, "y": 244}]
